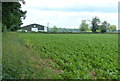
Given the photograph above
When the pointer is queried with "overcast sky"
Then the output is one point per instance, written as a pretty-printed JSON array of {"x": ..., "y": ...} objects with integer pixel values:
[{"x": 69, "y": 13}]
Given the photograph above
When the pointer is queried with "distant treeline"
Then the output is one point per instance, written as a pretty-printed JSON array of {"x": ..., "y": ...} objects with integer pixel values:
[
  {"x": 95, "y": 26},
  {"x": 63, "y": 30}
]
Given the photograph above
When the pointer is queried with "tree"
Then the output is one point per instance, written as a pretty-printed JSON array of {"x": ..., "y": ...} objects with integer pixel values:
[
  {"x": 12, "y": 15},
  {"x": 104, "y": 26},
  {"x": 108, "y": 26},
  {"x": 84, "y": 26},
  {"x": 98, "y": 28},
  {"x": 95, "y": 22},
  {"x": 54, "y": 29},
  {"x": 112, "y": 28}
]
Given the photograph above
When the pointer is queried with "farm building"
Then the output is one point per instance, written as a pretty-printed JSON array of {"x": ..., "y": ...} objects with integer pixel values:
[{"x": 34, "y": 28}]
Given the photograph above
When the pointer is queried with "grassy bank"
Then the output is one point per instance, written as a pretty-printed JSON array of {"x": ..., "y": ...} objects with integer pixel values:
[{"x": 20, "y": 62}]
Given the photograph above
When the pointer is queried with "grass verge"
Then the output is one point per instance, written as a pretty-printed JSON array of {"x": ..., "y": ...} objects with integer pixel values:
[{"x": 21, "y": 62}]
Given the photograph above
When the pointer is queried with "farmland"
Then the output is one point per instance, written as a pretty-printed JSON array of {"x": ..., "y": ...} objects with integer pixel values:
[{"x": 75, "y": 56}]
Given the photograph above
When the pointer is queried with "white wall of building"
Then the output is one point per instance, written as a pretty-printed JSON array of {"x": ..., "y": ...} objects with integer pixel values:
[
  {"x": 34, "y": 29},
  {"x": 45, "y": 29}
]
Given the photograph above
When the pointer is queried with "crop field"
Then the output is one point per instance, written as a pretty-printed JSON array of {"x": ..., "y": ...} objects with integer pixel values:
[
  {"x": 78, "y": 56},
  {"x": 60, "y": 56}
]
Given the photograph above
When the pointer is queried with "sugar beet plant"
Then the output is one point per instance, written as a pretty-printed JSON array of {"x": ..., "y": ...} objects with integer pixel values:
[{"x": 78, "y": 56}]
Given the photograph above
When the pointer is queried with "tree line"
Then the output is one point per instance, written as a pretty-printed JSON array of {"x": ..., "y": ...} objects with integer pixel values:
[{"x": 97, "y": 25}]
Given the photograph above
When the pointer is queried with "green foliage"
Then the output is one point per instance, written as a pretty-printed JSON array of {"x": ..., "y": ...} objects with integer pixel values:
[
  {"x": 104, "y": 26},
  {"x": 4, "y": 29},
  {"x": 112, "y": 28},
  {"x": 84, "y": 26},
  {"x": 95, "y": 22},
  {"x": 79, "y": 56},
  {"x": 12, "y": 15},
  {"x": 20, "y": 62},
  {"x": 98, "y": 28},
  {"x": 54, "y": 29}
]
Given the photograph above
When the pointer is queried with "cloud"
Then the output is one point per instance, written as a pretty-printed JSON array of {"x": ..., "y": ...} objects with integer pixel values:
[
  {"x": 66, "y": 19},
  {"x": 78, "y": 8},
  {"x": 69, "y": 13},
  {"x": 76, "y": 5}
]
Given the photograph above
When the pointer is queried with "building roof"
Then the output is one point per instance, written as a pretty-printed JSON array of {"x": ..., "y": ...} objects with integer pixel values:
[{"x": 32, "y": 25}]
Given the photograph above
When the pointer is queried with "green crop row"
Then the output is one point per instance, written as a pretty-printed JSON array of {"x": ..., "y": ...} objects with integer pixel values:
[{"x": 78, "y": 56}]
